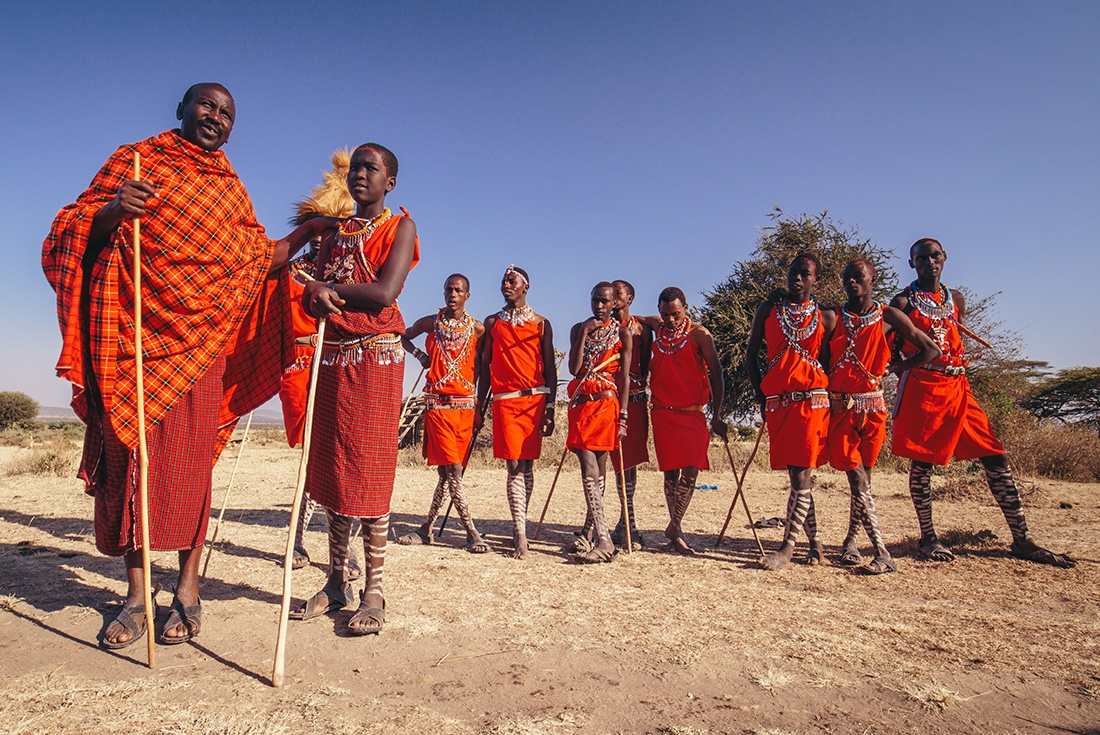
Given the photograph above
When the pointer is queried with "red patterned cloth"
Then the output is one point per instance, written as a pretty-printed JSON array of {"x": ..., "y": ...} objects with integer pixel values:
[
  {"x": 798, "y": 426},
  {"x": 179, "y": 476},
  {"x": 353, "y": 450},
  {"x": 205, "y": 290},
  {"x": 936, "y": 415},
  {"x": 680, "y": 389}
]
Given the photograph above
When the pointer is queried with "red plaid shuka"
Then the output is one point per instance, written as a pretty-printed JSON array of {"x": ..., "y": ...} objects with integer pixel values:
[
  {"x": 205, "y": 291},
  {"x": 353, "y": 449}
]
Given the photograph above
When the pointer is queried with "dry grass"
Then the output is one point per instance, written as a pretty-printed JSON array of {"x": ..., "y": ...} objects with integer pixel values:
[
  {"x": 934, "y": 696},
  {"x": 771, "y": 679},
  {"x": 56, "y": 458}
]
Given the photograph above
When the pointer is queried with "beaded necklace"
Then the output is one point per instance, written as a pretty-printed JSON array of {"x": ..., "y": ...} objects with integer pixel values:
[
  {"x": 669, "y": 341},
  {"x": 350, "y": 236},
  {"x": 452, "y": 336},
  {"x": 790, "y": 315},
  {"x": 853, "y": 323},
  {"x": 931, "y": 309},
  {"x": 516, "y": 315},
  {"x": 601, "y": 339}
]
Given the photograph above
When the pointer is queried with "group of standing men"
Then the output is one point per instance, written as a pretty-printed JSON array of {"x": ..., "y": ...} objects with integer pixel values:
[{"x": 218, "y": 326}]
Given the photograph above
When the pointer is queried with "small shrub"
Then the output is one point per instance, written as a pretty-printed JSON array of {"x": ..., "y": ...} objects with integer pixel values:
[
  {"x": 58, "y": 459},
  {"x": 16, "y": 408}
]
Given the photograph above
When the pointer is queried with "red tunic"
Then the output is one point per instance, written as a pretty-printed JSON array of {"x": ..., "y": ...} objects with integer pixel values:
[
  {"x": 353, "y": 455},
  {"x": 516, "y": 365},
  {"x": 797, "y": 409},
  {"x": 449, "y": 420},
  {"x": 935, "y": 414},
  {"x": 680, "y": 390},
  {"x": 594, "y": 424},
  {"x": 857, "y": 410},
  {"x": 636, "y": 445}
]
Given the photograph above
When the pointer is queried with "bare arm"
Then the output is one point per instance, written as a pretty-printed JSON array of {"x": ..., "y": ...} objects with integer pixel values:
[
  {"x": 653, "y": 322},
  {"x": 484, "y": 371},
  {"x": 717, "y": 381},
  {"x": 927, "y": 351},
  {"x": 577, "y": 336},
  {"x": 646, "y": 347},
  {"x": 622, "y": 379},
  {"x": 421, "y": 326},
  {"x": 828, "y": 320},
  {"x": 549, "y": 374},
  {"x": 289, "y": 246},
  {"x": 756, "y": 340},
  {"x": 327, "y": 298},
  {"x": 960, "y": 301}
]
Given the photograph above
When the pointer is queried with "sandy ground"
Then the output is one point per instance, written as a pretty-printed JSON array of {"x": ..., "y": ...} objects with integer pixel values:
[{"x": 652, "y": 643}]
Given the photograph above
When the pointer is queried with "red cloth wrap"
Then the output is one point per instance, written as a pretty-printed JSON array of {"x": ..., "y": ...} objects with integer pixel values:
[
  {"x": 516, "y": 364},
  {"x": 636, "y": 445},
  {"x": 353, "y": 450},
  {"x": 679, "y": 379},
  {"x": 856, "y": 438},
  {"x": 936, "y": 415},
  {"x": 447, "y": 432},
  {"x": 796, "y": 432}
]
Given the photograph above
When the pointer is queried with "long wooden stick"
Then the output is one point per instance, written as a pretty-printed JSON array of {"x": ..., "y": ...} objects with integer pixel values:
[
  {"x": 143, "y": 449},
  {"x": 740, "y": 490},
  {"x": 622, "y": 498},
  {"x": 225, "y": 498},
  {"x": 451, "y": 502},
  {"x": 288, "y": 559},
  {"x": 551, "y": 493}
]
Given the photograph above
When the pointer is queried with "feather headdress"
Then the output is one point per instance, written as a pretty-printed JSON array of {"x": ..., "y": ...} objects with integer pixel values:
[{"x": 331, "y": 198}]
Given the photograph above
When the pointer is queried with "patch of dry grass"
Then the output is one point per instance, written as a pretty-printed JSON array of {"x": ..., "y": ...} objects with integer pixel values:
[
  {"x": 56, "y": 459},
  {"x": 933, "y": 696},
  {"x": 771, "y": 679}
]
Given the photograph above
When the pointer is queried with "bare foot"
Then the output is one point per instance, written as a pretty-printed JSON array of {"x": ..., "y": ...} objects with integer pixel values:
[
  {"x": 519, "y": 551},
  {"x": 676, "y": 541},
  {"x": 778, "y": 559},
  {"x": 475, "y": 544}
]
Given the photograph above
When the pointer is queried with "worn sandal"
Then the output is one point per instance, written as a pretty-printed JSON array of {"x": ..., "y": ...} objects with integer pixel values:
[
  {"x": 596, "y": 556},
  {"x": 1031, "y": 552},
  {"x": 365, "y": 612},
  {"x": 190, "y": 616},
  {"x": 323, "y": 603},
  {"x": 936, "y": 551},
  {"x": 415, "y": 539},
  {"x": 878, "y": 565},
  {"x": 816, "y": 555},
  {"x": 133, "y": 620},
  {"x": 850, "y": 557}
]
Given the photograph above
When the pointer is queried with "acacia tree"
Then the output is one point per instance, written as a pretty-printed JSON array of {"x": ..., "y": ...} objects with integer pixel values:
[
  {"x": 16, "y": 408},
  {"x": 730, "y": 306},
  {"x": 1071, "y": 396}
]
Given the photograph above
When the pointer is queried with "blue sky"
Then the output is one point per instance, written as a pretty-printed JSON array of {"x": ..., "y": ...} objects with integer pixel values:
[{"x": 589, "y": 141}]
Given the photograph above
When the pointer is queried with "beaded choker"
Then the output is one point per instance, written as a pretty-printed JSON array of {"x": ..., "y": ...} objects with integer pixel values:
[
  {"x": 853, "y": 323},
  {"x": 935, "y": 309},
  {"x": 672, "y": 340},
  {"x": 791, "y": 315},
  {"x": 350, "y": 236},
  {"x": 516, "y": 315}
]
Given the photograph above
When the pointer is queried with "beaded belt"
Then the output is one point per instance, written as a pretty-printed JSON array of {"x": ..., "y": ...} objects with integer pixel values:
[
  {"x": 384, "y": 349},
  {"x": 871, "y": 402},
  {"x": 949, "y": 370},
  {"x": 541, "y": 390},
  {"x": 444, "y": 402},
  {"x": 818, "y": 398},
  {"x": 639, "y": 397},
  {"x": 582, "y": 398},
  {"x": 683, "y": 409}
]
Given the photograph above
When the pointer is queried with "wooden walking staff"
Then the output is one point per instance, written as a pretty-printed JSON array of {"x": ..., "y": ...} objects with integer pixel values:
[
  {"x": 622, "y": 496},
  {"x": 740, "y": 490},
  {"x": 225, "y": 498},
  {"x": 143, "y": 449},
  {"x": 550, "y": 494},
  {"x": 295, "y": 508},
  {"x": 451, "y": 502}
]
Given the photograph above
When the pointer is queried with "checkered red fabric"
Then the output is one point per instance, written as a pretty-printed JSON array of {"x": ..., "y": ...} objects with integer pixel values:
[{"x": 205, "y": 291}]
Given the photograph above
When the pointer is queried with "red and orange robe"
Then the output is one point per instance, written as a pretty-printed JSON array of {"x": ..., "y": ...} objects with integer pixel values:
[
  {"x": 215, "y": 335},
  {"x": 797, "y": 407},
  {"x": 935, "y": 413},
  {"x": 594, "y": 396},
  {"x": 680, "y": 391},
  {"x": 353, "y": 452},
  {"x": 636, "y": 444},
  {"x": 519, "y": 388},
  {"x": 449, "y": 395},
  {"x": 857, "y": 409}
]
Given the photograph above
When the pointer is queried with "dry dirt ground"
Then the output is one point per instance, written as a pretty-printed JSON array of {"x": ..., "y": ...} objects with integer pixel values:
[{"x": 652, "y": 643}]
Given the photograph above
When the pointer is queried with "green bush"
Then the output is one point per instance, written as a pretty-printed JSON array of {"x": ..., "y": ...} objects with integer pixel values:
[{"x": 16, "y": 408}]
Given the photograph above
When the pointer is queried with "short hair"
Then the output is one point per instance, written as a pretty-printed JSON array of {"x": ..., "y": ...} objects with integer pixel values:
[
  {"x": 604, "y": 284},
  {"x": 670, "y": 294},
  {"x": 194, "y": 89},
  {"x": 807, "y": 255},
  {"x": 922, "y": 241},
  {"x": 865, "y": 263},
  {"x": 457, "y": 275},
  {"x": 388, "y": 159},
  {"x": 625, "y": 284}
]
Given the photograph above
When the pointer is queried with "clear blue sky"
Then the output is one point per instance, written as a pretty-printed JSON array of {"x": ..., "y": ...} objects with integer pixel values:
[{"x": 589, "y": 141}]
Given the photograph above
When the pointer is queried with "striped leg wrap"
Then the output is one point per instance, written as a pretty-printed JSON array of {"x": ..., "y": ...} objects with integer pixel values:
[
  {"x": 529, "y": 482},
  {"x": 339, "y": 536},
  {"x": 799, "y": 503},
  {"x": 670, "y": 496},
  {"x": 920, "y": 490},
  {"x": 869, "y": 517},
  {"x": 593, "y": 495},
  {"x": 685, "y": 489},
  {"x": 374, "y": 546},
  {"x": 631, "y": 478},
  {"x": 517, "y": 503},
  {"x": 462, "y": 506},
  {"x": 1004, "y": 491},
  {"x": 305, "y": 515},
  {"x": 855, "y": 518},
  {"x": 437, "y": 501},
  {"x": 811, "y": 521}
]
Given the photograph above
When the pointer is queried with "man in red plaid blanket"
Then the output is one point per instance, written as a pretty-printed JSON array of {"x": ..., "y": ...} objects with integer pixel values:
[{"x": 215, "y": 337}]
